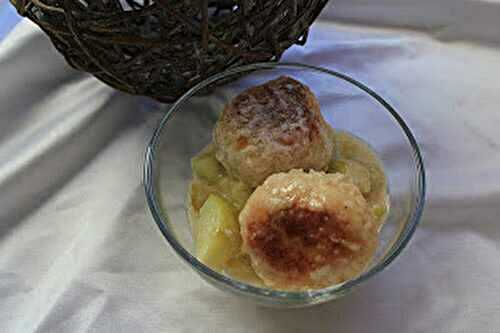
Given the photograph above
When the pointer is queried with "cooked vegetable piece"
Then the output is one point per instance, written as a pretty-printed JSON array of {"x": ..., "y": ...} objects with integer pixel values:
[
  {"x": 218, "y": 233},
  {"x": 359, "y": 173}
]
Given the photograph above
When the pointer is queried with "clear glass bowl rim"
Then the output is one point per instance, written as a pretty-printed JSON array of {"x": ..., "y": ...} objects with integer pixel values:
[{"x": 166, "y": 231}]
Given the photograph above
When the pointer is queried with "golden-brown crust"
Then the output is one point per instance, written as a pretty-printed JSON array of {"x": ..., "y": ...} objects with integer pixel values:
[
  {"x": 269, "y": 106},
  {"x": 297, "y": 241},
  {"x": 271, "y": 128}
]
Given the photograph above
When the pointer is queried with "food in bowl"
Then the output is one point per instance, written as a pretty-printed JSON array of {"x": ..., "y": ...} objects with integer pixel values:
[{"x": 280, "y": 199}]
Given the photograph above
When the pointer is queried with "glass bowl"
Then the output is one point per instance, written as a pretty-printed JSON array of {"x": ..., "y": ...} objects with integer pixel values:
[{"x": 345, "y": 103}]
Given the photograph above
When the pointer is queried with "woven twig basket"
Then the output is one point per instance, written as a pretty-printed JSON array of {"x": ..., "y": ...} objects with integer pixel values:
[{"x": 161, "y": 48}]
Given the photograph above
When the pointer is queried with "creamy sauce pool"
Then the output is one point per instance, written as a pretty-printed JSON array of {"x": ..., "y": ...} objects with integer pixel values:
[{"x": 349, "y": 146}]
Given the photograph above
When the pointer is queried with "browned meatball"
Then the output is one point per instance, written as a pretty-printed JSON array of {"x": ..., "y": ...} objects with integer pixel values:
[
  {"x": 271, "y": 128},
  {"x": 307, "y": 230}
]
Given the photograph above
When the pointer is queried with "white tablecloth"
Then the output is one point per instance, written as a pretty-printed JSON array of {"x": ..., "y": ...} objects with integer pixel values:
[{"x": 78, "y": 248}]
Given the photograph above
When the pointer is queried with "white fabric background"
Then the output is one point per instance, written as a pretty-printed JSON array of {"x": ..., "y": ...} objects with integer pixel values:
[{"x": 79, "y": 251}]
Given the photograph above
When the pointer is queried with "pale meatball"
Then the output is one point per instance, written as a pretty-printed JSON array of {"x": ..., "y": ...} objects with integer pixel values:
[
  {"x": 271, "y": 128},
  {"x": 307, "y": 230}
]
